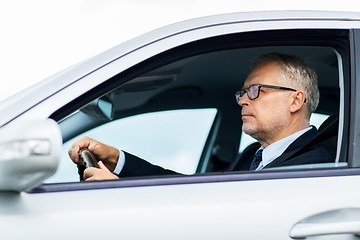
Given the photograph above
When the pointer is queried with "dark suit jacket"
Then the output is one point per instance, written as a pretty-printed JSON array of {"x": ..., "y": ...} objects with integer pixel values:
[
  {"x": 301, "y": 151},
  {"x": 137, "y": 167},
  {"x": 304, "y": 150}
]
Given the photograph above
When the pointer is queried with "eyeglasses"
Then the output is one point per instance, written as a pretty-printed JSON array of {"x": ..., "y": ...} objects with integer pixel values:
[{"x": 254, "y": 90}]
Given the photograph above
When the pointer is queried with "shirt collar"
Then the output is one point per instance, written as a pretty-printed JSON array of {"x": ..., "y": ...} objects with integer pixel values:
[{"x": 275, "y": 149}]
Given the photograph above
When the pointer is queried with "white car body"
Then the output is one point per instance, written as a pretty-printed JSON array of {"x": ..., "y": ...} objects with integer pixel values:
[{"x": 266, "y": 205}]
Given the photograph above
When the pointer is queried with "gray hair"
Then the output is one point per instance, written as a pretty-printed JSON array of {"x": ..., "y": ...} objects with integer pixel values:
[{"x": 295, "y": 71}]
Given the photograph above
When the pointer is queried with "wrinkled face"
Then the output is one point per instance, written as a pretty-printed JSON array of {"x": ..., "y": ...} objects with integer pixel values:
[{"x": 268, "y": 115}]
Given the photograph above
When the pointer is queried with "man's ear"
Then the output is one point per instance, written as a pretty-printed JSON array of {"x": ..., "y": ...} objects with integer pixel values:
[{"x": 297, "y": 101}]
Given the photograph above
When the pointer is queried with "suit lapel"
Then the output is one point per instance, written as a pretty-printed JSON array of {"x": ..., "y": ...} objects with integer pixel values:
[{"x": 295, "y": 147}]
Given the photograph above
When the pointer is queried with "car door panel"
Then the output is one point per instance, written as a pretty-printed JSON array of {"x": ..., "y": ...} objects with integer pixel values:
[{"x": 245, "y": 209}]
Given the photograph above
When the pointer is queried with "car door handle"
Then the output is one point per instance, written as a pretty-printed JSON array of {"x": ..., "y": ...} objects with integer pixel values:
[{"x": 339, "y": 221}]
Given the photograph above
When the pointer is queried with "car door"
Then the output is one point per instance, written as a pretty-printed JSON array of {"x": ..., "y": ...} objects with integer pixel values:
[{"x": 274, "y": 204}]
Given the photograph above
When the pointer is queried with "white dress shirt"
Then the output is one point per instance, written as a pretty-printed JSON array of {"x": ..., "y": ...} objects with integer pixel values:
[
  {"x": 274, "y": 150},
  {"x": 120, "y": 164}
]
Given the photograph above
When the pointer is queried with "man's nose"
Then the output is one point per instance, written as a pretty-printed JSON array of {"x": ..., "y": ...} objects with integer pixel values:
[{"x": 244, "y": 100}]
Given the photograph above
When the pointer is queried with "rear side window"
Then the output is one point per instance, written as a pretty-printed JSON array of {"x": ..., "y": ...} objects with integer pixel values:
[{"x": 172, "y": 139}]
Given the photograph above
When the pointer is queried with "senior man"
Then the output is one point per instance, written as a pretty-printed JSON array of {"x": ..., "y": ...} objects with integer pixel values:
[{"x": 277, "y": 100}]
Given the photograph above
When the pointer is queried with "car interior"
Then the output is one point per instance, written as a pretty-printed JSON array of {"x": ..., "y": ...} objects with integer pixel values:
[{"x": 206, "y": 74}]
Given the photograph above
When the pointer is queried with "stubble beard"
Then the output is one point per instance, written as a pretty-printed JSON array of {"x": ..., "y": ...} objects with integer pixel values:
[
  {"x": 264, "y": 132},
  {"x": 253, "y": 130}
]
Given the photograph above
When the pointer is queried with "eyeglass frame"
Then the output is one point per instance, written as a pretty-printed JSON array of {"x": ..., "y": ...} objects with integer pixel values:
[{"x": 241, "y": 93}]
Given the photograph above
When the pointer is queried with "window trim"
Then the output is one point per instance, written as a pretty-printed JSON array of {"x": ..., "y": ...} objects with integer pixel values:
[
  {"x": 196, "y": 179},
  {"x": 354, "y": 90}
]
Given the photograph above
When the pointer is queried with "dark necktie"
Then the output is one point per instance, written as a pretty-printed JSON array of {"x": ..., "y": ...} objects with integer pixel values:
[{"x": 256, "y": 160}]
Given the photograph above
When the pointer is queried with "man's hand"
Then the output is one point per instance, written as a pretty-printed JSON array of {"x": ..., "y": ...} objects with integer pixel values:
[
  {"x": 101, "y": 173},
  {"x": 107, "y": 154}
]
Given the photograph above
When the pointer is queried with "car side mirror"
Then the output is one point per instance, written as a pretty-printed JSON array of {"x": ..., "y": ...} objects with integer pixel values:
[{"x": 29, "y": 153}]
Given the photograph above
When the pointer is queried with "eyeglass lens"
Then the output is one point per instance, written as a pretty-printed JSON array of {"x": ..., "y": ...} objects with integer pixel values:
[{"x": 253, "y": 92}]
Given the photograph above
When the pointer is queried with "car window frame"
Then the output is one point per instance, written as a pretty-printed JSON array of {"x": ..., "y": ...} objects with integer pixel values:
[
  {"x": 205, "y": 178},
  {"x": 353, "y": 91}
]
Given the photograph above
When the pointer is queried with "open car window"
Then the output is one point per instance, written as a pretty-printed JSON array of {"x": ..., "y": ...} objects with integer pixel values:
[{"x": 204, "y": 78}]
